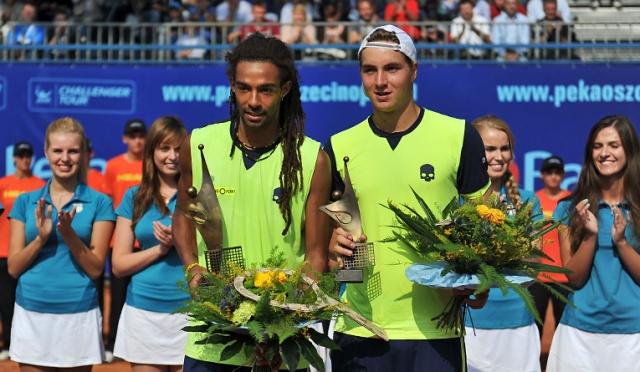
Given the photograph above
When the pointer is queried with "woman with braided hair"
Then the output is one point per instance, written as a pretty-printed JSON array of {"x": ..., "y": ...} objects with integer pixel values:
[{"x": 502, "y": 336}]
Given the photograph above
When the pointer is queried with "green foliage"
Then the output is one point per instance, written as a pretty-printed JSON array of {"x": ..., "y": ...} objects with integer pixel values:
[
  {"x": 226, "y": 317},
  {"x": 489, "y": 240}
]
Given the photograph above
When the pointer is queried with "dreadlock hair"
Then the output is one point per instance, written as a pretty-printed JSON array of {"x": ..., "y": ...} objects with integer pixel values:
[
  {"x": 164, "y": 130},
  {"x": 508, "y": 180},
  {"x": 260, "y": 48},
  {"x": 589, "y": 184}
]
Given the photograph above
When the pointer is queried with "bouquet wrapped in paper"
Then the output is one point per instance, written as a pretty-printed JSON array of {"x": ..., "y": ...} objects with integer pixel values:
[{"x": 477, "y": 246}]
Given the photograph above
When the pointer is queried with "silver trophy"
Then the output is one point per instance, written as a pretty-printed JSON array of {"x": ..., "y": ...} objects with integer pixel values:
[
  {"x": 204, "y": 210},
  {"x": 346, "y": 213}
]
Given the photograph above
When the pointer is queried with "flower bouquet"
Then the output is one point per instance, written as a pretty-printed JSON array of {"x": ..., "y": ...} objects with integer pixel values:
[
  {"x": 266, "y": 313},
  {"x": 477, "y": 246}
]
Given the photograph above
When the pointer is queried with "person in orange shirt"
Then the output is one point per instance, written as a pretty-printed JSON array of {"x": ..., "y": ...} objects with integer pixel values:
[
  {"x": 122, "y": 172},
  {"x": 552, "y": 173},
  {"x": 401, "y": 12},
  {"x": 10, "y": 187},
  {"x": 95, "y": 178}
]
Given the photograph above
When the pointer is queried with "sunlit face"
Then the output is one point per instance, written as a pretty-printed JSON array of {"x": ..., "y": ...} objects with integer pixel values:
[
  {"x": 165, "y": 157},
  {"x": 609, "y": 157},
  {"x": 550, "y": 10},
  {"x": 466, "y": 11},
  {"x": 258, "y": 13},
  {"x": 387, "y": 79},
  {"x": 23, "y": 162},
  {"x": 135, "y": 142},
  {"x": 299, "y": 15},
  {"x": 511, "y": 7},
  {"x": 498, "y": 152},
  {"x": 365, "y": 9},
  {"x": 258, "y": 93},
  {"x": 552, "y": 178},
  {"x": 64, "y": 154}
]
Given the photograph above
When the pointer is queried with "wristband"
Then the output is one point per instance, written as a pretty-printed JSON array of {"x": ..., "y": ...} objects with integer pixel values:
[{"x": 190, "y": 267}]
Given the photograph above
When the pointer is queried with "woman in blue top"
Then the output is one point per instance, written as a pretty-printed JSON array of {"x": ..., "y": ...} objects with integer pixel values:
[
  {"x": 149, "y": 335},
  {"x": 599, "y": 245},
  {"x": 502, "y": 336},
  {"x": 58, "y": 243}
]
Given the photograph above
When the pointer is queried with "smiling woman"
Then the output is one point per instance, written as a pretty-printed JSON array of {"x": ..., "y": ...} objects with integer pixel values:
[
  {"x": 56, "y": 257},
  {"x": 149, "y": 335}
]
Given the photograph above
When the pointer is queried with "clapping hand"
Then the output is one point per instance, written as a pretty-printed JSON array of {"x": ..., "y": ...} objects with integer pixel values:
[
  {"x": 164, "y": 235},
  {"x": 64, "y": 221},
  {"x": 43, "y": 219}
]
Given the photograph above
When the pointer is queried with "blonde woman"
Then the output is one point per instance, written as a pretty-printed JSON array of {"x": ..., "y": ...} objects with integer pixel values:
[
  {"x": 57, "y": 248},
  {"x": 301, "y": 31}
]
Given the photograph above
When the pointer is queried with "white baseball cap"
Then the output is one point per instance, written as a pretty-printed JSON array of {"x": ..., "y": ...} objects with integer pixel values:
[{"x": 406, "y": 43}]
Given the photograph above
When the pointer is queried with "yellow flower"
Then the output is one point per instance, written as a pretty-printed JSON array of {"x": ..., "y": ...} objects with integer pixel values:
[
  {"x": 494, "y": 215},
  {"x": 266, "y": 278}
]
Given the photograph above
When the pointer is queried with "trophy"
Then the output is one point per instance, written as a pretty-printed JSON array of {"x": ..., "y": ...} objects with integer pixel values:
[
  {"x": 204, "y": 210},
  {"x": 346, "y": 213}
]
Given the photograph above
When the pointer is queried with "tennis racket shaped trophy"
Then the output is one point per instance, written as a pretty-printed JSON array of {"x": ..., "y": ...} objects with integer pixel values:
[
  {"x": 204, "y": 210},
  {"x": 346, "y": 213}
]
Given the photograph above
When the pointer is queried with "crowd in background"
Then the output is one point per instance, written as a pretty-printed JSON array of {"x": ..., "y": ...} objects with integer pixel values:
[{"x": 215, "y": 22}]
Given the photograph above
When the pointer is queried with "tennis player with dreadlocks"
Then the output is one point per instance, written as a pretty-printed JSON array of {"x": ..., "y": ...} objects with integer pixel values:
[{"x": 270, "y": 178}]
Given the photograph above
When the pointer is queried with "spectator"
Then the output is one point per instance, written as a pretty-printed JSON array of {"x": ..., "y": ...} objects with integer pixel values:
[
  {"x": 400, "y": 12},
  {"x": 510, "y": 27},
  {"x": 536, "y": 12},
  {"x": 10, "y": 187},
  {"x": 497, "y": 7},
  {"x": 432, "y": 34},
  {"x": 447, "y": 10},
  {"x": 194, "y": 37},
  {"x": 258, "y": 24},
  {"x": 552, "y": 174},
  {"x": 470, "y": 28},
  {"x": 203, "y": 11},
  {"x": 233, "y": 11},
  {"x": 26, "y": 33},
  {"x": 301, "y": 31},
  {"x": 368, "y": 19},
  {"x": 95, "y": 178},
  {"x": 286, "y": 13},
  {"x": 88, "y": 11},
  {"x": 60, "y": 34},
  {"x": 57, "y": 248},
  {"x": 332, "y": 32},
  {"x": 552, "y": 29}
]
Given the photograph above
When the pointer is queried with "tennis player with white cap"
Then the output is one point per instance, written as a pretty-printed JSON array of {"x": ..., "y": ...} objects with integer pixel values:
[{"x": 400, "y": 147}]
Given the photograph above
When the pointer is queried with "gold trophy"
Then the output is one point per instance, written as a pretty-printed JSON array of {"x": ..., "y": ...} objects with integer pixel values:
[
  {"x": 204, "y": 210},
  {"x": 346, "y": 213}
]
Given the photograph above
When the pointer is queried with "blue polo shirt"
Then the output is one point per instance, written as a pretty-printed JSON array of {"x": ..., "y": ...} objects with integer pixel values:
[
  {"x": 155, "y": 287},
  {"x": 55, "y": 282},
  {"x": 610, "y": 300},
  {"x": 505, "y": 311}
]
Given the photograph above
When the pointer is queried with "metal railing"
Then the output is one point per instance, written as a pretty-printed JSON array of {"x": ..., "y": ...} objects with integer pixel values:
[{"x": 204, "y": 43}]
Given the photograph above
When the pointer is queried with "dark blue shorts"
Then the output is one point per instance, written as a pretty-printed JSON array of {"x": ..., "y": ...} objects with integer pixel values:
[{"x": 367, "y": 354}]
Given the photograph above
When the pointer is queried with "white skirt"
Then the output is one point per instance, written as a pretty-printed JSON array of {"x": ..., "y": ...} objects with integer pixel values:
[
  {"x": 503, "y": 350},
  {"x": 148, "y": 337},
  {"x": 56, "y": 340},
  {"x": 576, "y": 350}
]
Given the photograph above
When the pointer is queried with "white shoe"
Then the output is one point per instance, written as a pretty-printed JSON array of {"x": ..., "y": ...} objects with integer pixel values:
[
  {"x": 4, "y": 355},
  {"x": 108, "y": 356}
]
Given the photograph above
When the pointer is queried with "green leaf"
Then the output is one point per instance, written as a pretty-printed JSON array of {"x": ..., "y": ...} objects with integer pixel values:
[
  {"x": 231, "y": 350},
  {"x": 290, "y": 353},
  {"x": 198, "y": 328},
  {"x": 322, "y": 340},
  {"x": 310, "y": 353}
]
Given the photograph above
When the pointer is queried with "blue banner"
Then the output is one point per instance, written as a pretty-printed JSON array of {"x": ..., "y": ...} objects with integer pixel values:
[{"x": 549, "y": 107}]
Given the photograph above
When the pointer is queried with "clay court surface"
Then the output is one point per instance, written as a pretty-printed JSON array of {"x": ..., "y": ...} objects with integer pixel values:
[{"x": 9, "y": 366}]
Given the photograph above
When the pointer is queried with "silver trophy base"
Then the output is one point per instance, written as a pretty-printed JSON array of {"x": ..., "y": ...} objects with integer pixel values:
[{"x": 350, "y": 276}]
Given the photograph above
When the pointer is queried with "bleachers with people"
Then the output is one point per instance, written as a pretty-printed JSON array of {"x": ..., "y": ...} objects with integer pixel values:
[{"x": 148, "y": 31}]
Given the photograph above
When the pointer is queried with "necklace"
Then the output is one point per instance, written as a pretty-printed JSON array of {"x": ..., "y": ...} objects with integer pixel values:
[
  {"x": 255, "y": 153},
  {"x": 60, "y": 197}
]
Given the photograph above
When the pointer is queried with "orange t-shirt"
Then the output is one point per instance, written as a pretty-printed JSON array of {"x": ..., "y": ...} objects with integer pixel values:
[
  {"x": 10, "y": 188},
  {"x": 95, "y": 180},
  {"x": 413, "y": 7},
  {"x": 551, "y": 244},
  {"x": 120, "y": 175}
]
